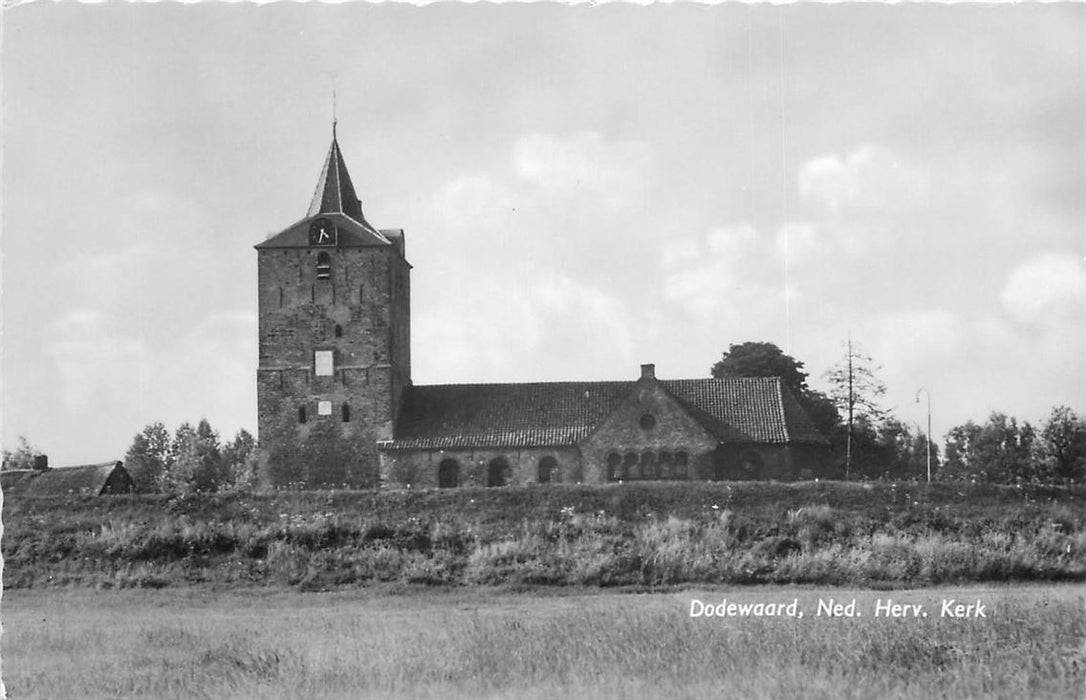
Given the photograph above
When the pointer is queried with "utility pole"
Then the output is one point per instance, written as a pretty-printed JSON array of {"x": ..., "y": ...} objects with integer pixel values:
[{"x": 929, "y": 426}]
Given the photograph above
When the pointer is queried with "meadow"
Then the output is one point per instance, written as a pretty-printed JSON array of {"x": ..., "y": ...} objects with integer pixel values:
[
  {"x": 489, "y": 643},
  {"x": 650, "y": 535}
]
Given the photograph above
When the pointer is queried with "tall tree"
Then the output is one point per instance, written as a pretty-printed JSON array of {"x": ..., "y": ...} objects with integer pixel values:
[
  {"x": 239, "y": 460},
  {"x": 856, "y": 391},
  {"x": 197, "y": 464},
  {"x": 999, "y": 451},
  {"x": 1062, "y": 445},
  {"x": 148, "y": 459},
  {"x": 761, "y": 359}
]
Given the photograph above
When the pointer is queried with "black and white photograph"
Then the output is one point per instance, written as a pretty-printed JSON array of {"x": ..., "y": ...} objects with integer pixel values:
[{"x": 538, "y": 350}]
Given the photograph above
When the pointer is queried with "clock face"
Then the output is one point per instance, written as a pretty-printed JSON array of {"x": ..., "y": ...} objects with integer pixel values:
[{"x": 322, "y": 232}]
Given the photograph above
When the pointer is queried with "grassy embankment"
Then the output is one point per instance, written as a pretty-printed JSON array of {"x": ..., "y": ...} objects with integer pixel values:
[
  {"x": 481, "y": 643},
  {"x": 645, "y": 535}
]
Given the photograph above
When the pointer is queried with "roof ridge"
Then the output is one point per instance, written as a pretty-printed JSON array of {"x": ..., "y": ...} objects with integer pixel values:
[
  {"x": 563, "y": 382},
  {"x": 780, "y": 408}
]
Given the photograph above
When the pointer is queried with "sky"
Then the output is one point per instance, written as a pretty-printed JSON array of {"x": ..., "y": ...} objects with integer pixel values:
[{"x": 583, "y": 189}]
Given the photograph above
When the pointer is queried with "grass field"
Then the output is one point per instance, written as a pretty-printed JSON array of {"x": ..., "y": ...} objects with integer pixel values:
[
  {"x": 895, "y": 535},
  {"x": 489, "y": 643}
]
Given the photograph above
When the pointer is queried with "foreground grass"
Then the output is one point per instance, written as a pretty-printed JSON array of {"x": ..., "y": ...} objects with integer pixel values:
[
  {"x": 185, "y": 643},
  {"x": 649, "y": 535}
]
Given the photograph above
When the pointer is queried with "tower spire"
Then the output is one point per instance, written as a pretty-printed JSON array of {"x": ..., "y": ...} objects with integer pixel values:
[{"x": 335, "y": 192}]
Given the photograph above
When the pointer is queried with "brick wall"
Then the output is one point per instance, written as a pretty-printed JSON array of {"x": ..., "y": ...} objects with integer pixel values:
[
  {"x": 361, "y": 313},
  {"x": 420, "y": 468},
  {"x": 649, "y": 423}
]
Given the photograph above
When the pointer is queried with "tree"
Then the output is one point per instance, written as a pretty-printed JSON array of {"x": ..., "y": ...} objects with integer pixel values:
[
  {"x": 25, "y": 456},
  {"x": 148, "y": 459},
  {"x": 239, "y": 460},
  {"x": 197, "y": 459},
  {"x": 1062, "y": 446},
  {"x": 761, "y": 359},
  {"x": 1000, "y": 451},
  {"x": 856, "y": 392}
]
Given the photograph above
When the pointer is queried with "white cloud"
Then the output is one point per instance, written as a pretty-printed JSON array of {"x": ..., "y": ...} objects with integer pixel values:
[
  {"x": 582, "y": 164},
  {"x": 1047, "y": 289},
  {"x": 94, "y": 363},
  {"x": 869, "y": 179},
  {"x": 467, "y": 198},
  {"x": 508, "y": 320},
  {"x": 727, "y": 272}
]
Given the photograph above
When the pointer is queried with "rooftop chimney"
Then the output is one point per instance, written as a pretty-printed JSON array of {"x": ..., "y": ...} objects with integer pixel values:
[{"x": 648, "y": 371}]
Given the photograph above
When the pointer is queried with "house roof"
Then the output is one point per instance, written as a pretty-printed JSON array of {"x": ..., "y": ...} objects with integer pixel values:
[
  {"x": 11, "y": 478},
  {"x": 82, "y": 479},
  {"x": 734, "y": 409},
  {"x": 333, "y": 199}
]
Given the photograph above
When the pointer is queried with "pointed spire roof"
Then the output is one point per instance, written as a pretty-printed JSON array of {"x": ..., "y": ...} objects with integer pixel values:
[
  {"x": 336, "y": 200},
  {"x": 335, "y": 193}
]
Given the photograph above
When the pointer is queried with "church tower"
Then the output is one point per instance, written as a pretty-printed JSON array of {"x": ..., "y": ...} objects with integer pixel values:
[{"x": 334, "y": 338}]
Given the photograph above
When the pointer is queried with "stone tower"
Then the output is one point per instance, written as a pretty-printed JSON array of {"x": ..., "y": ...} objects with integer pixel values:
[{"x": 334, "y": 337}]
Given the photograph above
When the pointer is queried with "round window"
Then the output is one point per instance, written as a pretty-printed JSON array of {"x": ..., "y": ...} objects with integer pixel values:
[{"x": 647, "y": 421}]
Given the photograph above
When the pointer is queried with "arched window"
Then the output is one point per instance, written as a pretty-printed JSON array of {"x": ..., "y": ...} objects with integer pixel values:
[
  {"x": 497, "y": 472},
  {"x": 448, "y": 474},
  {"x": 548, "y": 470},
  {"x": 324, "y": 266},
  {"x": 346, "y": 411},
  {"x": 751, "y": 465},
  {"x": 614, "y": 461},
  {"x": 339, "y": 331},
  {"x": 629, "y": 466},
  {"x": 682, "y": 460},
  {"x": 648, "y": 466},
  {"x": 663, "y": 463},
  {"x": 301, "y": 414}
]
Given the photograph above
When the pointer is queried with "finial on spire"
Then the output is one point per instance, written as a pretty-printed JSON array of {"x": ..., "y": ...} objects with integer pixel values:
[{"x": 333, "y": 112}]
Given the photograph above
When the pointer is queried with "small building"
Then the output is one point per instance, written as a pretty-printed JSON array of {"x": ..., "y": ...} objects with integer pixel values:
[
  {"x": 105, "y": 478},
  {"x": 733, "y": 428}
]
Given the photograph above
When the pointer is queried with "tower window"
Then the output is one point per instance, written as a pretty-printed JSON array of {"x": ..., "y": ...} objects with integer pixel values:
[
  {"x": 361, "y": 294},
  {"x": 301, "y": 414},
  {"x": 324, "y": 266},
  {"x": 339, "y": 331},
  {"x": 346, "y": 413}
]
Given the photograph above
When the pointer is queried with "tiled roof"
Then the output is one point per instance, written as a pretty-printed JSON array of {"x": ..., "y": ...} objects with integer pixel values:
[
  {"x": 86, "y": 479},
  {"x": 735, "y": 409}
]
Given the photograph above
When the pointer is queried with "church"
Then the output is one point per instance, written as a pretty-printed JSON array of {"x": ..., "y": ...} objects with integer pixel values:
[{"x": 334, "y": 303}]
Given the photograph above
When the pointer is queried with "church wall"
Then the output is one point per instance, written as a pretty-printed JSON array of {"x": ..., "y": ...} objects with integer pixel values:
[
  {"x": 298, "y": 313},
  {"x": 672, "y": 431},
  {"x": 359, "y": 314},
  {"x": 752, "y": 461},
  {"x": 419, "y": 468}
]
